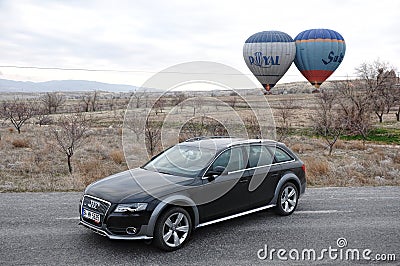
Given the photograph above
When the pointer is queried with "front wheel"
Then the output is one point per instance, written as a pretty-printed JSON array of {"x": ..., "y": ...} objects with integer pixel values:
[
  {"x": 287, "y": 199},
  {"x": 172, "y": 229}
]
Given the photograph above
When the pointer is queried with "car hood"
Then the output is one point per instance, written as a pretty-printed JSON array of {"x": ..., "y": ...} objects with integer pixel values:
[{"x": 136, "y": 184}]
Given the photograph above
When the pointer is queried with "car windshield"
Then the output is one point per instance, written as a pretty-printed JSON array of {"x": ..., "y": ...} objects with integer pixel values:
[{"x": 181, "y": 160}]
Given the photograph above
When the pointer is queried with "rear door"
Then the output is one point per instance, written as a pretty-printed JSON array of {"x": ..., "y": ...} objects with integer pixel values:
[{"x": 263, "y": 174}]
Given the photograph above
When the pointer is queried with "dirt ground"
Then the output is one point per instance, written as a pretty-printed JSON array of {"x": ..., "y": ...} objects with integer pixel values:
[{"x": 31, "y": 161}]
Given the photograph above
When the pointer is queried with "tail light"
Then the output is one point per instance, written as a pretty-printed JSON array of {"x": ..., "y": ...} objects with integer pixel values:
[{"x": 303, "y": 167}]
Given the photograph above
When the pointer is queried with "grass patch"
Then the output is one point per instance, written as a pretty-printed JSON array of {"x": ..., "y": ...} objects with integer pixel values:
[
  {"x": 380, "y": 135},
  {"x": 305, "y": 131}
]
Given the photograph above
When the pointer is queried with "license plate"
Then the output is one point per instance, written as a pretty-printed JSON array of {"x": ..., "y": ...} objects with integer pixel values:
[{"x": 91, "y": 215}]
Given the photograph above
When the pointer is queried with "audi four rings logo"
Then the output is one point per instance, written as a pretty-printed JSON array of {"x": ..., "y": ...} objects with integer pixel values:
[{"x": 94, "y": 204}]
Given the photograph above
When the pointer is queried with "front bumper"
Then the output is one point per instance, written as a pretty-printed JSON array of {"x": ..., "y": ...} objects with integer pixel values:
[
  {"x": 113, "y": 225},
  {"x": 104, "y": 232}
]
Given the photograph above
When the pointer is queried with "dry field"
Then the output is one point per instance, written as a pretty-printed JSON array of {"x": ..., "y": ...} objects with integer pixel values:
[{"x": 31, "y": 161}]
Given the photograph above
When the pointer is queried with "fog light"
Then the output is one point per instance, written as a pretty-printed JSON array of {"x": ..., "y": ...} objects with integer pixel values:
[{"x": 131, "y": 230}]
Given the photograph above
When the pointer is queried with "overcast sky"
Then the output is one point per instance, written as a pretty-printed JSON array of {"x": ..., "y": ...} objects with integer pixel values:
[{"x": 147, "y": 36}]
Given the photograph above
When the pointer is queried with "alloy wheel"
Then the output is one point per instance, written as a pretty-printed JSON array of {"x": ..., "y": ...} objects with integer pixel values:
[
  {"x": 289, "y": 199},
  {"x": 175, "y": 229}
]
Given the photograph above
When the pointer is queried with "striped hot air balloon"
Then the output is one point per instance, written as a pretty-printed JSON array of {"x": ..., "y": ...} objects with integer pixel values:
[
  {"x": 319, "y": 53},
  {"x": 268, "y": 55}
]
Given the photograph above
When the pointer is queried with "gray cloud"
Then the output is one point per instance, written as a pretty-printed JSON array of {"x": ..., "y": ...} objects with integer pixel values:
[{"x": 156, "y": 34}]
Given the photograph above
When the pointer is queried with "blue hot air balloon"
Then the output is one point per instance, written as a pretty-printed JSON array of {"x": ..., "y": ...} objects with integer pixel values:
[
  {"x": 268, "y": 55},
  {"x": 319, "y": 53}
]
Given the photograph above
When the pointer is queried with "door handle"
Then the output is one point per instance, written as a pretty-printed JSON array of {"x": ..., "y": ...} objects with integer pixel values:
[{"x": 243, "y": 180}]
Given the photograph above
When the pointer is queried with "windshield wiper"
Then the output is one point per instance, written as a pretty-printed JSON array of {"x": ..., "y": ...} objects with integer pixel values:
[{"x": 161, "y": 172}]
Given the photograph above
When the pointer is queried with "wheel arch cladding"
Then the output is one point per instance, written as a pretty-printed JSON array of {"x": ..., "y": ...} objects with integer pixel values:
[
  {"x": 175, "y": 200},
  {"x": 288, "y": 177}
]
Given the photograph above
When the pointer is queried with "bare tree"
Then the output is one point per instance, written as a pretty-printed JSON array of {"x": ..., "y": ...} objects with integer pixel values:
[
  {"x": 202, "y": 126},
  {"x": 135, "y": 122},
  {"x": 354, "y": 107},
  {"x": 90, "y": 101},
  {"x": 232, "y": 101},
  {"x": 86, "y": 99},
  {"x": 394, "y": 94},
  {"x": 179, "y": 98},
  {"x": 379, "y": 79},
  {"x": 196, "y": 102},
  {"x": 327, "y": 121},
  {"x": 192, "y": 128},
  {"x": 152, "y": 133},
  {"x": 94, "y": 101},
  {"x": 70, "y": 133},
  {"x": 139, "y": 95},
  {"x": 391, "y": 88},
  {"x": 159, "y": 105},
  {"x": 18, "y": 112},
  {"x": 396, "y": 100},
  {"x": 215, "y": 127},
  {"x": 252, "y": 126},
  {"x": 42, "y": 114},
  {"x": 147, "y": 99},
  {"x": 52, "y": 101},
  {"x": 284, "y": 113}
]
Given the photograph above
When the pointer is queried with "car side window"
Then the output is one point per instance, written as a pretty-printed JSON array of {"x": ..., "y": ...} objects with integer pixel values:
[
  {"x": 282, "y": 156},
  {"x": 231, "y": 159},
  {"x": 259, "y": 155}
]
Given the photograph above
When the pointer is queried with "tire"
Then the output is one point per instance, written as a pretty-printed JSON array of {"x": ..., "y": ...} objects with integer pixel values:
[
  {"x": 173, "y": 229},
  {"x": 287, "y": 199}
]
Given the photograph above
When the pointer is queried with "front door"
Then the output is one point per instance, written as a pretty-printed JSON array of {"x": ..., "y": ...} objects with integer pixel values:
[{"x": 227, "y": 192}]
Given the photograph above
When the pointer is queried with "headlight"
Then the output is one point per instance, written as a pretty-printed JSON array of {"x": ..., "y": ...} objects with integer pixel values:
[{"x": 132, "y": 207}]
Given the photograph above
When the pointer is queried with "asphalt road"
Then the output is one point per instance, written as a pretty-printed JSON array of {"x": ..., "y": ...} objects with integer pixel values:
[{"x": 42, "y": 229}]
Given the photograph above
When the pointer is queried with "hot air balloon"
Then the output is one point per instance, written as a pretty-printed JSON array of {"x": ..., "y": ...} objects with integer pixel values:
[
  {"x": 319, "y": 52},
  {"x": 268, "y": 55}
]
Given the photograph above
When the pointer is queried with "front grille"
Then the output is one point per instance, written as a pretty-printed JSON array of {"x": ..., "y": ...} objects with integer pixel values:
[{"x": 95, "y": 205}]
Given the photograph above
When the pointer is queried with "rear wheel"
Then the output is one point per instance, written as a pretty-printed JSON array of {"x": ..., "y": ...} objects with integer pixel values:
[
  {"x": 172, "y": 229},
  {"x": 287, "y": 199}
]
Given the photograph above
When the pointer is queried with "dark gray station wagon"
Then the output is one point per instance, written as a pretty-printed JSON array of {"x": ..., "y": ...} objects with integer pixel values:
[{"x": 195, "y": 183}]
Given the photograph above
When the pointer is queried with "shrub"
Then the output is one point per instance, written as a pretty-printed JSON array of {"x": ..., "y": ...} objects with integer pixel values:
[
  {"x": 396, "y": 158},
  {"x": 316, "y": 167},
  {"x": 340, "y": 144},
  {"x": 301, "y": 147},
  {"x": 92, "y": 170},
  {"x": 117, "y": 156},
  {"x": 20, "y": 143},
  {"x": 356, "y": 145}
]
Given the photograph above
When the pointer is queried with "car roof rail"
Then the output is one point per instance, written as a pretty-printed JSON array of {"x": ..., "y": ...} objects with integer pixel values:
[{"x": 207, "y": 137}]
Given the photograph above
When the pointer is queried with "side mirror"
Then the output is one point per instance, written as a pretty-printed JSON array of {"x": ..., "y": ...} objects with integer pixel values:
[{"x": 217, "y": 171}]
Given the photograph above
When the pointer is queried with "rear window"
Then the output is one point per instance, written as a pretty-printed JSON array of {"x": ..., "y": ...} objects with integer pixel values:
[
  {"x": 282, "y": 156},
  {"x": 259, "y": 155}
]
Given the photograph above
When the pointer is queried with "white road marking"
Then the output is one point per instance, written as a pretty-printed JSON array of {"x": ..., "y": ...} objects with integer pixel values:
[
  {"x": 320, "y": 212},
  {"x": 352, "y": 198},
  {"x": 68, "y": 218}
]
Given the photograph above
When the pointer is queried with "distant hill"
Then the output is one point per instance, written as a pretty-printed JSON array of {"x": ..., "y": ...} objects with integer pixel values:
[
  {"x": 11, "y": 86},
  {"x": 62, "y": 85}
]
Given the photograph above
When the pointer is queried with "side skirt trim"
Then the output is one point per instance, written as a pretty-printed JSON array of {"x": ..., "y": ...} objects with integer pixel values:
[{"x": 236, "y": 215}]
